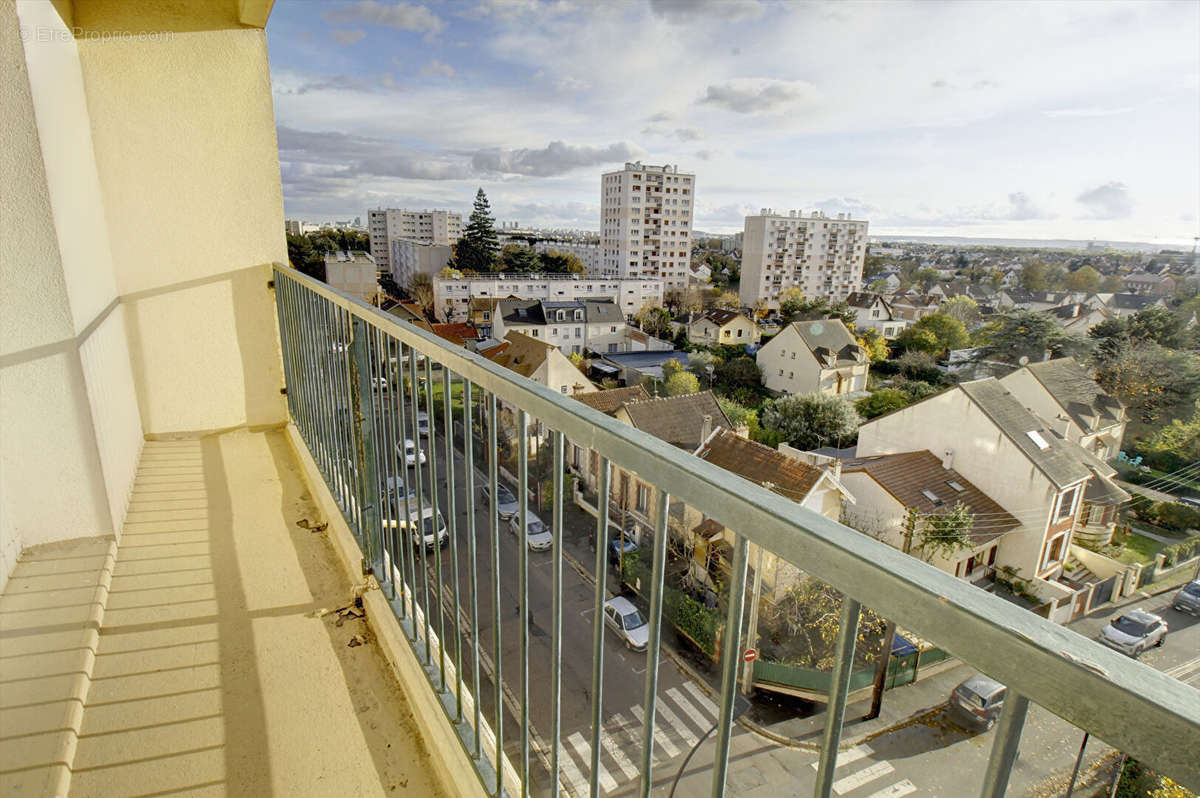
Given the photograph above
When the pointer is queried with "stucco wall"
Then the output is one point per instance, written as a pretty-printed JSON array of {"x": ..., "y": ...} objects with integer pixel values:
[{"x": 184, "y": 136}]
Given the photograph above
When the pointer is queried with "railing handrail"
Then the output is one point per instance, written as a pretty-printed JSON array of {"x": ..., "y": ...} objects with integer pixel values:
[{"x": 1129, "y": 705}]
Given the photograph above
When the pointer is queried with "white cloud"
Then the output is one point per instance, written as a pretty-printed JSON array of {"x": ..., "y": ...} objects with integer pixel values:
[
  {"x": 554, "y": 159},
  {"x": 401, "y": 16},
  {"x": 698, "y": 10},
  {"x": 347, "y": 36},
  {"x": 436, "y": 67},
  {"x": 1074, "y": 113},
  {"x": 689, "y": 133},
  {"x": 1109, "y": 201},
  {"x": 761, "y": 95}
]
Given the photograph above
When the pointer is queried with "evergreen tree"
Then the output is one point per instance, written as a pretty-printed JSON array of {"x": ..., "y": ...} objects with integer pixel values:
[{"x": 476, "y": 251}]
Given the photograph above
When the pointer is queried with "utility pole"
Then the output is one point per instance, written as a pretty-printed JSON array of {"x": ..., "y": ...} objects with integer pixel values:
[{"x": 752, "y": 633}]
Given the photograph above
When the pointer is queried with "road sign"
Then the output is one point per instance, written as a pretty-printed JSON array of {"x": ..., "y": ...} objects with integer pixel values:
[{"x": 750, "y": 655}]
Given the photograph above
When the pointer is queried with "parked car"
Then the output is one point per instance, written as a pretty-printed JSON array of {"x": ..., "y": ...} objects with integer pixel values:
[
  {"x": 618, "y": 547},
  {"x": 540, "y": 538},
  {"x": 506, "y": 502},
  {"x": 623, "y": 618},
  {"x": 1192, "y": 500},
  {"x": 412, "y": 455},
  {"x": 430, "y": 531},
  {"x": 380, "y": 384},
  {"x": 423, "y": 423},
  {"x": 1134, "y": 632},
  {"x": 976, "y": 703},
  {"x": 395, "y": 489},
  {"x": 1188, "y": 598}
]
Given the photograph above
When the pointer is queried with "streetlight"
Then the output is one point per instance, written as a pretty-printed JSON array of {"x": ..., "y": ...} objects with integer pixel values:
[{"x": 710, "y": 368}]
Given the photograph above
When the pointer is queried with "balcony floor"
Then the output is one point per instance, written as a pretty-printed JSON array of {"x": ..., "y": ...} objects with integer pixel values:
[{"x": 215, "y": 672}]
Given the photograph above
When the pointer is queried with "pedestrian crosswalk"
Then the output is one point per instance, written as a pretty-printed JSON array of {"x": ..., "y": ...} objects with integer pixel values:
[
  {"x": 1186, "y": 672},
  {"x": 866, "y": 776},
  {"x": 683, "y": 715}
]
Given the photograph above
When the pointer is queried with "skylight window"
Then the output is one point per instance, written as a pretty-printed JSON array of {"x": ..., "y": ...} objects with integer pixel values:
[
  {"x": 1037, "y": 438},
  {"x": 956, "y": 485},
  {"x": 933, "y": 497}
]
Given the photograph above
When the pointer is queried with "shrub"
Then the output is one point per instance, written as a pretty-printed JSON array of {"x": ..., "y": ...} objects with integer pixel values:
[{"x": 1175, "y": 515}]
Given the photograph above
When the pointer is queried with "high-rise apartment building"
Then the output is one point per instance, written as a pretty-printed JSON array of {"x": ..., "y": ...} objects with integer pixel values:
[
  {"x": 646, "y": 223},
  {"x": 821, "y": 256},
  {"x": 429, "y": 227}
]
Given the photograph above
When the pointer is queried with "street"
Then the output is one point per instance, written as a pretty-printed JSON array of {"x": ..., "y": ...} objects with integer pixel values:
[{"x": 927, "y": 755}]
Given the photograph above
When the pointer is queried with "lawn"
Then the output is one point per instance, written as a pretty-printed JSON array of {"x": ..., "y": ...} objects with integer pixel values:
[{"x": 1139, "y": 549}]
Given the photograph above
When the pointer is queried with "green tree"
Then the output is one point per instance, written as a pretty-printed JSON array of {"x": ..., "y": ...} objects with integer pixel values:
[
  {"x": 1033, "y": 275},
  {"x": 1155, "y": 383},
  {"x": 945, "y": 533},
  {"x": 872, "y": 265},
  {"x": 1085, "y": 278},
  {"x": 518, "y": 259},
  {"x": 740, "y": 377},
  {"x": 808, "y": 615},
  {"x": 872, "y": 341},
  {"x": 555, "y": 262},
  {"x": 1112, "y": 284},
  {"x": 963, "y": 308},
  {"x": 1161, "y": 326},
  {"x": 1175, "y": 445},
  {"x": 796, "y": 308},
  {"x": 935, "y": 333},
  {"x": 698, "y": 363},
  {"x": 885, "y": 400},
  {"x": 654, "y": 320},
  {"x": 304, "y": 256},
  {"x": 1028, "y": 334},
  {"x": 738, "y": 415},
  {"x": 810, "y": 421},
  {"x": 477, "y": 249},
  {"x": 682, "y": 382},
  {"x": 578, "y": 362},
  {"x": 670, "y": 368}
]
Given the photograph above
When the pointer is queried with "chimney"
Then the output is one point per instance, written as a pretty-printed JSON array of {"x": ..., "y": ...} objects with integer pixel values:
[
  {"x": 706, "y": 428},
  {"x": 948, "y": 459}
]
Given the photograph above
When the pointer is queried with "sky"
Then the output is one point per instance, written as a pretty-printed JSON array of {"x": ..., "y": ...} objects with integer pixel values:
[{"x": 1072, "y": 120}]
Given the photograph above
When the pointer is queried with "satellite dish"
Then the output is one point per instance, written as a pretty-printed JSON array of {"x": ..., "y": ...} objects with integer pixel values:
[{"x": 1023, "y": 360}]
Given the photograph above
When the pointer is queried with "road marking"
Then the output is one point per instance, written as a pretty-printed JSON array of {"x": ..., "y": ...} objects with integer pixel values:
[
  {"x": 584, "y": 750},
  {"x": 864, "y": 776},
  {"x": 617, "y": 754},
  {"x": 702, "y": 723},
  {"x": 660, "y": 736},
  {"x": 675, "y": 723},
  {"x": 1182, "y": 668},
  {"x": 896, "y": 790},
  {"x": 628, "y": 734},
  {"x": 566, "y": 764},
  {"x": 703, "y": 700},
  {"x": 846, "y": 757}
]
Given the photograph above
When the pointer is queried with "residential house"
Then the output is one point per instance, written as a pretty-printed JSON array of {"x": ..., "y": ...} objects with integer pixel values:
[
  {"x": 539, "y": 361},
  {"x": 912, "y": 307},
  {"x": 630, "y": 368},
  {"x": 814, "y": 357},
  {"x": 989, "y": 436},
  {"x": 812, "y": 487},
  {"x": 353, "y": 273},
  {"x": 1066, "y": 394},
  {"x": 1146, "y": 284},
  {"x": 888, "y": 283},
  {"x": 897, "y": 494},
  {"x": 873, "y": 312},
  {"x": 459, "y": 334},
  {"x": 1020, "y": 299},
  {"x": 1125, "y": 305},
  {"x": 1078, "y": 316},
  {"x": 481, "y": 313},
  {"x": 452, "y": 296},
  {"x": 573, "y": 326},
  {"x": 684, "y": 421},
  {"x": 722, "y": 326}
]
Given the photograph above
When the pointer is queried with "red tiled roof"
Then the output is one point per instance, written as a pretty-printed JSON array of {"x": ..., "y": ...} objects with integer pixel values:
[{"x": 760, "y": 464}]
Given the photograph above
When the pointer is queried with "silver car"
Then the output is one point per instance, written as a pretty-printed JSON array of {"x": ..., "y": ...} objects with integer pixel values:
[
  {"x": 540, "y": 538},
  {"x": 976, "y": 703},
  {"x": 1134, "y": 632},
  {"x": 623, "y": 618},
  {"x": 506, "y": 503},
  {"x": 1188, "y": 599}
]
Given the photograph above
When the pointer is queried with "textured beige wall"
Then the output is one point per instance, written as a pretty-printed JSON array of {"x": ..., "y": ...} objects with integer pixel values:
[
  {"x": 184, "y": 135},
  {"x": 50, "y": 471}
]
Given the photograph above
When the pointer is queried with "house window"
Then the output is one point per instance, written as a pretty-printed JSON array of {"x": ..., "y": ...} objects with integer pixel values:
[
  {"x": 612, "y": 329},
  {"x": 1066, "y": 504},
  {"x": 535, "y": 333},
  {"x": 578, "y": 332},
  {"x": 563, "y": 389},
  {"x": 487, "y": 315},
  {"x": 781, "y": 372},
  {"x": 643, "y": 498},
  {"x": 739, "y": 335}
]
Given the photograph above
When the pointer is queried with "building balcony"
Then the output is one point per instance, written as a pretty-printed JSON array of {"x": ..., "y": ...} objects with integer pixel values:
[{"x": 204, "y": 474}]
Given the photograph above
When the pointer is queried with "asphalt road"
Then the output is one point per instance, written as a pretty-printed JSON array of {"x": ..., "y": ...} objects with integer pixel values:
[{"x": 686, "y": 711}]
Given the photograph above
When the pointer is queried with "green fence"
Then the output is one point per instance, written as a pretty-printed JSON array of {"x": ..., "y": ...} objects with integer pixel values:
[{"x": 901, "y": 671}]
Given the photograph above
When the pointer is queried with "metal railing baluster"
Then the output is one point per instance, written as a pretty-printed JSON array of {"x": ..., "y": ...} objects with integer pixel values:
[
  {"x": 416, "y": 530},
  {"x": 556, "y": 586},
  {"x": 1005, "y": 745},
  {"x": 654, "y": 642},
  {"x": 731, "y": 659},
  {"x": 431, "y": 421},
  {"x": 452, "y": 522},
  {"x": 523, "y": 585},
  {"x": 472, "y": 554},
  {"x": 494, "y": 543},
  {"x": 598, "y": 624},
  {"x": 839, "y": 689}
]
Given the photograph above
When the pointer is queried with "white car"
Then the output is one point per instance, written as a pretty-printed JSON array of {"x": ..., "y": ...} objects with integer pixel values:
[
  {"x": 623, "y": 618},
  {"x": 1134, "y": 632},
  {"x": 423, "y": 423},
  {"x": 431, "y": 533},
  {"x": 412, "y": 455},
  {"x": 380, "y": 384},
  {"x": 540, "y": 538}
]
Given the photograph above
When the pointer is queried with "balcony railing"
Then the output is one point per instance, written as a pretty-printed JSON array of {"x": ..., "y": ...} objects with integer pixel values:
[{"x": 339, "y": 354}]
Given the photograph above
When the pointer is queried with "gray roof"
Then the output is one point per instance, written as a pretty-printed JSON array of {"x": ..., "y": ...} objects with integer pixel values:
[
  {"x": 602, "y": 310},
  {"x": 1076, "y": 391},
  {"x": 1061, "y": 461},
  {"x": 678, "y": 420},
  {"x": 1132, "y": 301},
  {"x": 537, "y": 311},
  {"x": 830, "y": 341}
]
